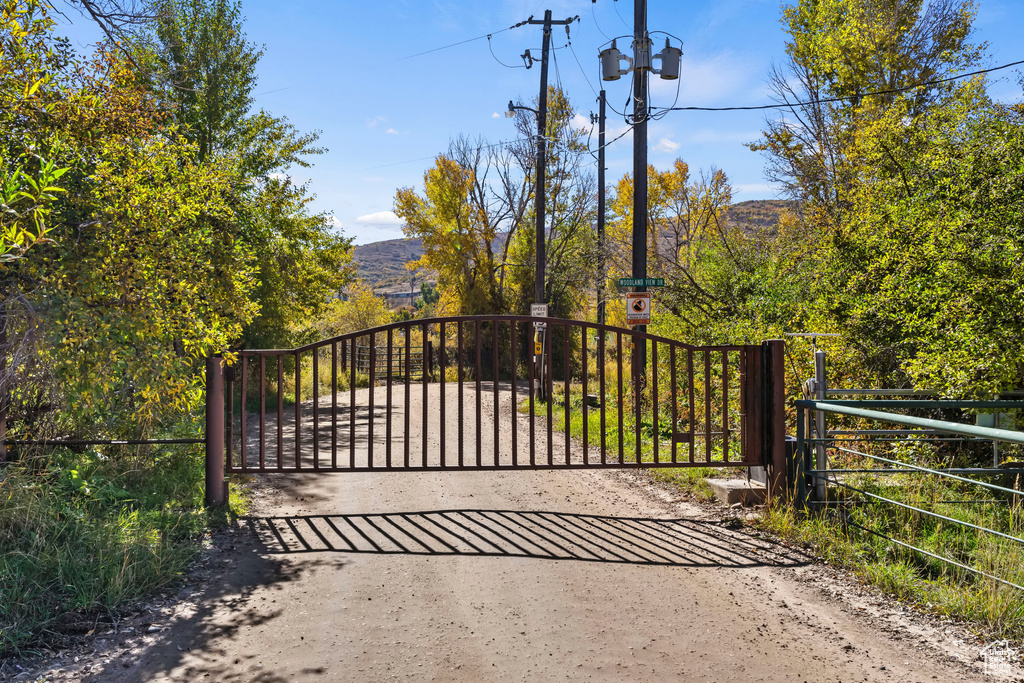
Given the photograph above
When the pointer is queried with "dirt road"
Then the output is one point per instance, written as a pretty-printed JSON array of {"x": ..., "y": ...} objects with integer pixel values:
[{"x": 519, "y": 576}]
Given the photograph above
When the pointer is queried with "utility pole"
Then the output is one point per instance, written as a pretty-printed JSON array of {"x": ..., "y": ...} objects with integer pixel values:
[
  {"x": 542, "y": 127},
  {"x": 601, "y": 275},
  {"x": 641, "y": 65}
]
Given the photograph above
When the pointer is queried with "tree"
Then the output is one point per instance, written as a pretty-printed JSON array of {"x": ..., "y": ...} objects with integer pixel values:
[
  {"x": 685, "y": 234},
  {"x": 845, "y": 50},
  {"x": 458, "y": 218},
  {"x": 200, "y": 63},
  {"x": 477, "y": 224},
  {"x": 138, "y": 280},
  {"x": 361, "y": 309},
  {"x": 926, "y": 274},
  {"x": 571, "y": 250},
  {"x": 28, "y": 175}
]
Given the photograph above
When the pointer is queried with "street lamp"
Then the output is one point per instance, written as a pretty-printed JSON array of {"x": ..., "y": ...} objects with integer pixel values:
[{"x": 511, "y": 113}]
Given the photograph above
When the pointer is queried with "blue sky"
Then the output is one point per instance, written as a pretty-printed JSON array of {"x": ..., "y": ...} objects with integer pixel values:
[{"x": 343, "y": 68}]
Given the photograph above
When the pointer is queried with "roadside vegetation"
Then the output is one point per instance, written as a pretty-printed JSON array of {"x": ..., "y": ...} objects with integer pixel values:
[{"x": 147, "y": 222}]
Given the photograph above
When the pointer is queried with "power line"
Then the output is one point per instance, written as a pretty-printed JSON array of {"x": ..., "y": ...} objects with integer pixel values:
[
  {"x": 467, "y": 40},
  {"x": 412, "y": 161},
  {"x": 507, "y": 66},
  {"x": 582, "y": 70},
  {"x": 790, "y": 105}
]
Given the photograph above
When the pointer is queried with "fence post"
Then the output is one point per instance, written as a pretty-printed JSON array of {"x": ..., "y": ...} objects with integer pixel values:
[
  {"x": 774, "y": 370},
  {"x": 821, "y": 393},
  {"x": 216, "y": 487}
]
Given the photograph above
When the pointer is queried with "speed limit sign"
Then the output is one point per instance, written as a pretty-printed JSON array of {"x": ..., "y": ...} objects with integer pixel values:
[{"x": 638, "y": 308}]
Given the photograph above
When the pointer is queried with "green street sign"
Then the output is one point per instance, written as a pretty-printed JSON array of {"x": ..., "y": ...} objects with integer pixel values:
[{"x": 641, "y": 282}]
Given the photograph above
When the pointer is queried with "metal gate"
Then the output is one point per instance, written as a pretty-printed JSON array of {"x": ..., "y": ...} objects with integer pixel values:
[{"x": 481, "y": 393}]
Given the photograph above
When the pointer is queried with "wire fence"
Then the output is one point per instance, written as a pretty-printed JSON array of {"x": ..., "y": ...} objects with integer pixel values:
[{"x": 919, "y": 488}]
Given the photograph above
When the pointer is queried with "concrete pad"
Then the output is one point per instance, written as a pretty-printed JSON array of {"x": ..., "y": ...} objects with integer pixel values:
[{"x": 732, "y": 491}]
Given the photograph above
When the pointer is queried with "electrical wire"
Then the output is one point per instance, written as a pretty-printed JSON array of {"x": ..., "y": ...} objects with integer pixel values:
[
  {"x": 467, "y": 40},
  {"x": 593, "y": 14},
  {"x": 507, "y": 66},
  {"x": 616, "y": 6},
  {"x": 832, "y": 100},
  {"x": 558, "y": 75},
  {"x": 411, "y": 161},
  {"x": 582, "y": 70}
]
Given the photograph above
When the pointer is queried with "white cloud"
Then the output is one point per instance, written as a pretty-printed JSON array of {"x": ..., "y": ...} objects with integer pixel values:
[
  {"x": 666, "y": 145},
  {"x": 495, "y": 115},
  {"x": 372, "y": 123},
  {"x": 335, "y": 222},
  {"x": 581, "y": 121},
  {"x": 391, "y": 131},
  {"x": 381, "y": 219}
]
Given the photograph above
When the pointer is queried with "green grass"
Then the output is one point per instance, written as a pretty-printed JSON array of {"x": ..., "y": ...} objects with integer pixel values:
[
  {"x": 692, "y": 480},
  {"x": 838, "y": 536},
  {"x": 89, "y": 530}
]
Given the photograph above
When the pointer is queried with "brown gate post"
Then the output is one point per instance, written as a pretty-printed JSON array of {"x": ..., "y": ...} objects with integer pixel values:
[
  {"x": 216, "y": 487},
  {"x": 774, "y": 370}
]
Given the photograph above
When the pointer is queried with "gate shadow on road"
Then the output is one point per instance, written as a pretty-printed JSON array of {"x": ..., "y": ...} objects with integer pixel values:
[{"x": 535, "y": 534}]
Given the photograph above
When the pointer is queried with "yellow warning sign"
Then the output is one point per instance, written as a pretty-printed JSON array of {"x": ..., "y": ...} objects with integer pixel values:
[{"x": 538, "y": 348}]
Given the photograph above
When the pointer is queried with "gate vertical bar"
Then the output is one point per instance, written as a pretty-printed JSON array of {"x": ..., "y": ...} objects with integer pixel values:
[
  {"x": 675, "y": 400},
  {"x": 655, "y": 412},
  {"x": 443, "y": 366},
  {"x": 744, "y": 422},
  {"x": 775, "y": 434},
  {"x": 243, "y": 434},
  {"x": 426, "y": 377},
  {"x": 566, "y": 404},
  {"x": 408, "y": 403},
  {"x": 458, "y": 364},
  {"x": 494, "y": 380},
  {"x": 229, "y": 425},
  {"x": 637, "y": 361},
  {"x": 280, "y": 411},
  {"x": 216, "y": 487},
  {"x": 316, "y": 408},
  {"x": 618, "y": 347},
  {"x": 298, "y": 411},
  {"x": 373, "y": 385},
  {"x": 514, "y": 360},
  {"x": 531, "y": 372},
  {"x": 690, "y": 378},
  {"x": 603, "y": 378},
  {"x": 479, "y": 447},
  {"x": 708, "y": 429},
  {"x": 334, "y": 406},
  {"x": 263, "y": 411},
  {"x": 387, "y": 378},
  {"x": 548, "y": 380},
  {"x": 725, "y": 405},
  {"x": 585, "y": 364},
  {"x": 352, "y": 404}
]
